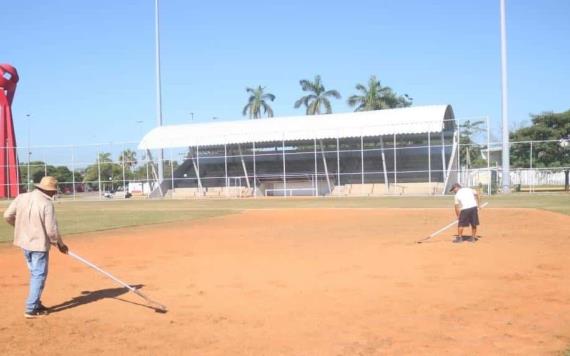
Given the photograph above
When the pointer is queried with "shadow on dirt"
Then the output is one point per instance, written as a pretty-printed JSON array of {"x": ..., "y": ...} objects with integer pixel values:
[
  {"x": 87, "y": 297},
  {"x": 464, "y": 238}
]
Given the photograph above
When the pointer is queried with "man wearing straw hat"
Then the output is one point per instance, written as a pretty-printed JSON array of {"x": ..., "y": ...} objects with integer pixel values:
[{"x": 35, "y": 230}]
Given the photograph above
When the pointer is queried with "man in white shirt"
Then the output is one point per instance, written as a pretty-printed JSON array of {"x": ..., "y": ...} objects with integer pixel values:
[{"x": 466, "y": 209}]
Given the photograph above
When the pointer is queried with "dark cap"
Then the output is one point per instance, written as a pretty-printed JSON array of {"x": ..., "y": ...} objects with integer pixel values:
[{"x": 455, "y": 185}]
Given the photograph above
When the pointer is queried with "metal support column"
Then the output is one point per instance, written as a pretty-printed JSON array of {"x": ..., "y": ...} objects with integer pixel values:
[
  {"x": 244, "y": 167},
  {"x": 196, "y": 165},
  {"x": 315, "y": 183},
  {"x": 443, "y": 163},
  {"x": 429, "y": 163},
  {"x": 337, "y": 161},
  {"x": 383, "y": 155},
  {"x": 361, "y": 160},
  {"x": 254, "y": 172},
  {"x": 325, "y": 165},
  {"x": 459, "y": 171},
  {"x": 395, "y": 165},
  {"x": 284, "y": 168}
]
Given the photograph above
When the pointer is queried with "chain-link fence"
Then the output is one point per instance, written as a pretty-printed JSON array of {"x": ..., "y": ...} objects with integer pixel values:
[{"x": 399, "y": 164}]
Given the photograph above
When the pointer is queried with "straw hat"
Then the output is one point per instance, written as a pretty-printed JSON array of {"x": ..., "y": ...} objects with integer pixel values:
[{"x": 48, "y": 183}]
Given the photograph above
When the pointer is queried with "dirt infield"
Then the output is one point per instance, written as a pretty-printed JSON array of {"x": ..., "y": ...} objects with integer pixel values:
[{"x": 304, "y": 282}]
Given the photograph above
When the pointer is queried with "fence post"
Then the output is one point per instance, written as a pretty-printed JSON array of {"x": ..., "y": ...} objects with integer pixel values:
[
  {"x": 429, "y": 164},
  {"x": 171, "y": 173},
  {"x": 531, "y": 188},
  {"x": 73, "y": 170},
  {"x": 124, "y": 185},
  {"x": 489, "y": 175},
  {"x": 99, "y": 171},
  {"x": 226, "y": 167}
]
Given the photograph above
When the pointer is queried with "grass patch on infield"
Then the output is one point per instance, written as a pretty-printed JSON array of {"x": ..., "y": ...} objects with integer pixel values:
[
  {"x": 86, "y": 216},
  {"x": 81, "y": 217}
]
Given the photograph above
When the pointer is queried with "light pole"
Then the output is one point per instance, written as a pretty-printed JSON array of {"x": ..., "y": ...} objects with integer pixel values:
[
  {"x": 504, "y": 103},
  {"x": 29, "y": 117},
  {"x": 158, "y": 87}
]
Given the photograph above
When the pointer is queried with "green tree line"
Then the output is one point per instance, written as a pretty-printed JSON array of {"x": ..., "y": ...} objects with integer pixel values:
[{"x": 111, "y": 173}]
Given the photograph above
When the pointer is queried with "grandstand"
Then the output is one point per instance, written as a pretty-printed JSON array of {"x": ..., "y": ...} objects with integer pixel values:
[{"x": 405, "y": 151}]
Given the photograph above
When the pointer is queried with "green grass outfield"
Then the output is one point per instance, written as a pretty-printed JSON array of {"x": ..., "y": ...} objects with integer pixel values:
[{"x": 81, "y": 216}]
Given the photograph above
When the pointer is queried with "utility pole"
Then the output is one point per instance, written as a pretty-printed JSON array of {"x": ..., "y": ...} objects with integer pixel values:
[
  {"x": 158, "y": 87},
  {"x": 504, "y": 103}
]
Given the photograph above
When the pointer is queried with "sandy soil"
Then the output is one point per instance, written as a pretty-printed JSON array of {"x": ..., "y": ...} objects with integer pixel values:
[{"x": 304, "y": 282}]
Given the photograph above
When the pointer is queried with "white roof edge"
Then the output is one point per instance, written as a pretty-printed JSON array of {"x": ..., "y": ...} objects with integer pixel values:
[{"x": 411, "y": 120}]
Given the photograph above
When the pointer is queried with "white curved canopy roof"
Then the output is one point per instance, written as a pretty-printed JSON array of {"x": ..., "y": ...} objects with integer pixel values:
[{"x": 412, "y": 120}]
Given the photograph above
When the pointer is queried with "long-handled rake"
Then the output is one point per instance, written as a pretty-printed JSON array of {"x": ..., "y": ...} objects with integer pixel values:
[
  {"x": 151, "y": 303},
  {"x": 444, "y": 228}
]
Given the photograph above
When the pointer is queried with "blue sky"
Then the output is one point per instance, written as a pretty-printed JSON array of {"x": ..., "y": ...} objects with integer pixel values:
[{"x": 87, "y": 67}]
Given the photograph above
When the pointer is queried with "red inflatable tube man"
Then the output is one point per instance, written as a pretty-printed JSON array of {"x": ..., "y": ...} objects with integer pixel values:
[{"x": 9, "y": 173}]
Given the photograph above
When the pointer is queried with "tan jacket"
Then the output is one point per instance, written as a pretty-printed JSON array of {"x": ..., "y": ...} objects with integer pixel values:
[{"x": 33, "y": 216}]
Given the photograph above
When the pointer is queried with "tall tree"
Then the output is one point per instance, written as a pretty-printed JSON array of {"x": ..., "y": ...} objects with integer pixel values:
[
  {"x": 374, "y": 96},
  {"x": 257, "y": 101},
  {"x": 104, "y": 157},
  {"x": 470, "y": 152},
  {"x": 129, "y": 158},
  {"x": 318, "y": 97},
  {"x": 103, "y": 171},
  {"x": 545, "y": 126}
]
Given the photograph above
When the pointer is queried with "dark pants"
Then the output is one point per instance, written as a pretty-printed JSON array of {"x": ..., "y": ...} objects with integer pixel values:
[{"x": 469, "y": 217}]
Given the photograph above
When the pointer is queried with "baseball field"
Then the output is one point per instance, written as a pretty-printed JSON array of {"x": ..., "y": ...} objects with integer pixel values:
[{"x": 298, "y": 277}]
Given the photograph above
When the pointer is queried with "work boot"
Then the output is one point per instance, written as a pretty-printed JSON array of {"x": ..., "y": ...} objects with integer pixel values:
[{"x": 35, "y": 314}]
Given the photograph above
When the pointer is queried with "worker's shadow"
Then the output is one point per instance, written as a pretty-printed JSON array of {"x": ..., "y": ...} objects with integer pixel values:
[
  {"x": 466, "y": 238},
  {"x": 87, "y": 297}
]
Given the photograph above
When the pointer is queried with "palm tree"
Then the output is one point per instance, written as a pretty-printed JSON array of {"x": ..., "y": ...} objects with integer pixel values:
[
  {"x": 376, "y": 97},
  {"x": 104, "y": 157},
  {"x": 129, "y": 158},
  {"x": 318, "y": 97},
  {"x": 257, "y": 101}
]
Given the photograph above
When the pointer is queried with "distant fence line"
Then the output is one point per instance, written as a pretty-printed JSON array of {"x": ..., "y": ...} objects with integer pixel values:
[{"x": 534, "y": 163}]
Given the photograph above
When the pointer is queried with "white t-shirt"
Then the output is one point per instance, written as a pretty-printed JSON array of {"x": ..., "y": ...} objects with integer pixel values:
[{"x": 465, "y": 198}]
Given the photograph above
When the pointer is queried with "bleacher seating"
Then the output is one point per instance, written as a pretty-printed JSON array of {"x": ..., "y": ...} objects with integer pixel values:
[
  {"x": 360, "y": 190},
  {"x": 186, "y": 193}
]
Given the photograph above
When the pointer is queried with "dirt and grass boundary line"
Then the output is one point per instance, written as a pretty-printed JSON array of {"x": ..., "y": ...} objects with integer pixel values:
[{"x": 77, "y": 217}]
